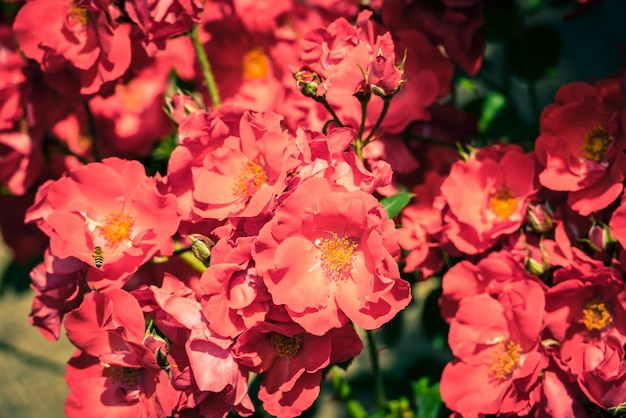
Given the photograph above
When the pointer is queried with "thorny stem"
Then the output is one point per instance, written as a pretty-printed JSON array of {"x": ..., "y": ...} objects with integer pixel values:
[
  {"x": 203, "y": 60},
  {"x": 343, "y": 390}
]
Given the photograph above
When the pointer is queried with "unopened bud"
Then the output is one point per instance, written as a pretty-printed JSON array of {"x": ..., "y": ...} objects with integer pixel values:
[
  {"x": 308, "y": 82},
  {"x": 540, "y": 218},
  {"x": 201, "y": 247},
  {"x": 600, "y": 237},
  {"x": 535, "y": 267}
]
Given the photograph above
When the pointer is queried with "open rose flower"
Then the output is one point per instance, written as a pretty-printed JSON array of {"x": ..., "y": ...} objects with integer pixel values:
[
  {"x": 78, "y": 47},
  {"x": 338, "y": 248},
  {"x": 115, "y": 366},
  {"x": 234, "y": 296},
  {"x": 109, "y": 215},
  {"x": 499, "y": 353},
  {"x": 487, "y": 196},
  {"x": 292, "y": 362},
  {"x": 581, "y": 145}
]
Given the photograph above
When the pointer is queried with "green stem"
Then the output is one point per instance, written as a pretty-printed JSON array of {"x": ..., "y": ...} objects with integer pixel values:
[
  {"x": 358, "y": 148},
  {"x": 205, "y": 66},
  {"x": 378, "y": 377},
  {"x": 181, "y": 250},
  {"x": 364, "y": 100},
  {"x": 95, "y": 150},
  {"x": 343, "y": 390},
  {"x": 322, "y": 100},
  {"x": 381, "y": 117},
  {"x": 188, "y": 257}
]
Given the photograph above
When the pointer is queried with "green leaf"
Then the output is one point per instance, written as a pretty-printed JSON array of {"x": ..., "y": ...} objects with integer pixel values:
[
  {"x": 427, "y": 398},
  {"x": 394, "y": 204},
  {"x": 467, "y": 83},
  {"x": 492, "y": 106}
]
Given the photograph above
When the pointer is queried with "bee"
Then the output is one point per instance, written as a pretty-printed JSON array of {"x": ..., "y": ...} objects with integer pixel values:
[{"x": 98, "y": 256}]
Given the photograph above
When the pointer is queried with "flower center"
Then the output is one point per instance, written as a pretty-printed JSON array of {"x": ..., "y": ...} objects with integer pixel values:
[
  {"x": 123, "y": 375},
  {"x": 77, "y": 15},
  {"x": 251, "y": 178},
  {"x": 255, "y": 64},
  {"x": 337, "y": 255},
  {"x": 285, "y": 346},
  {"x": 116, "y": 228},
  {"x": 596, "y": 316},
  {"x": 597, "y": 142},
  {"x": 505, "y": 360},
  {"x": 503, "y": 203}
]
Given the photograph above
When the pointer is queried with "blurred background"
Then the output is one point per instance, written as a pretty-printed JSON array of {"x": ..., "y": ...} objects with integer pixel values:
[{"x": 583, "y": 47}]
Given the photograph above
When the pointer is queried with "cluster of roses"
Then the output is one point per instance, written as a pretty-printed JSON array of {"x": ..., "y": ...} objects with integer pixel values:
[
  {"x": 291, "y": 248},
  {"x": 537, "y": 306}
]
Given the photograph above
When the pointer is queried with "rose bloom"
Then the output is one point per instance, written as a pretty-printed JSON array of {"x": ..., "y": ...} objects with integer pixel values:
[
  {"x": 581, "y": 143},
  {"x": 343, "y": 56},
  {"x": 201, "y": 365},
  {"x": 109, "y": 215},
  {"x": 339, "y": 249},
  {"x": 491, "y": 275},
  {"x": 116, "y": 366},
  {"x": 500, "y": 356},
  {"x": 584, "y": 308},
  {"x": 292, "y": 361},
  {"x": 242, "y": 175},
  {"x": 198, "y": 133},
  {"x": 487, "y": 196},
  {"x": 330, "y": 156},
  {"x": 78, "y": 48},
  {"x": 602, "y": 376},
  {"x": 160, "y": 20},
  {"x": 234, "y": 297},
  {"x": 252, "y": 69}
]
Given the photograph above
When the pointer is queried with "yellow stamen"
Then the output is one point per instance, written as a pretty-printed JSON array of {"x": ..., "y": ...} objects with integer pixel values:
[
  {"x": 255, "y": 64},
  {"x": 116, "y": 228},
  {"x": 596, "y": 316},
  {"x": 505, "y": 360},
  {"x": 503, "y": 203},
  {"x": 597, "y": 142},
  {"x": 337, "y": 255},
  {"x": 77, "y": 14},
  {"x": 285, "y": 346},
  {"x": 123, "y": 375},
  {"x": 252, "y": 177}
]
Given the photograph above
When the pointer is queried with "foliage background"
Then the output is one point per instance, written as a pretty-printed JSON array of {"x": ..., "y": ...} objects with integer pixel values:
[{"x": 531, "y": 51}]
